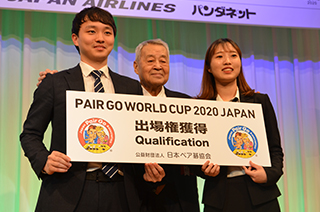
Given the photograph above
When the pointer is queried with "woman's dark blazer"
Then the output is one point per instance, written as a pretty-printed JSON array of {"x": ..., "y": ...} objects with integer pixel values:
[{"x": 214, "y": 193}]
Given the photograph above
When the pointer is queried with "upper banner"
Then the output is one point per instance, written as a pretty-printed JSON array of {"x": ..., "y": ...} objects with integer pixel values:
[{"x": 284, "y": 13}]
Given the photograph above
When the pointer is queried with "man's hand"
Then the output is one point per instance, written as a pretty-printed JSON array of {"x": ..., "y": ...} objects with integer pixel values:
[
  {"x": 210, "y": 169},
  {"x": 57, "y": 162},
  {"x": 43, "y": 75},
  {"x": 153, "y": 172},
  {"x": 256, "y": 172}
]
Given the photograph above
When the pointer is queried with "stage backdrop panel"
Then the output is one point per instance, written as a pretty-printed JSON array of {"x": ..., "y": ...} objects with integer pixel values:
[{"x": 282, "y": 62}]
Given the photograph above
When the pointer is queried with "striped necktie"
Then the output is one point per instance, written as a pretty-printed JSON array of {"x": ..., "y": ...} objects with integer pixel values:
[
  {"x": 98, "y": 86},
  {"x": 110, "y": 169}
]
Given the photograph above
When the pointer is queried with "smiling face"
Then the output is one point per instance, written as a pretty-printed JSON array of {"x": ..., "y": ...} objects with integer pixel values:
[
  {"x": 238, "y": 139},
  {"x": 225, "y": 64},
  {"x": 95, "y": 41},
  {"x": 92, "y": 133},
  {"x": 153, "y": 67}
]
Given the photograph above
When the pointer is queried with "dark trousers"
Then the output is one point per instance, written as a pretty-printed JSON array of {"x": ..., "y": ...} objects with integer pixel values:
[
  {"x": 166, "y": 201},
  {"x": 103, "y": 195},
  {"x": 238, "y": 199}
]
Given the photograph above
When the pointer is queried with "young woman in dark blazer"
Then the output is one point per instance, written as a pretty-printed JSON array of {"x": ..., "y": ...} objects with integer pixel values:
[{"x": 250, "y": 188}]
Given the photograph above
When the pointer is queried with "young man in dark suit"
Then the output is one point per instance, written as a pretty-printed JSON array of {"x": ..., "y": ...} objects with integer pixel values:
[
  {"x": 165, "y": 188},
  {"x": 77, "y": 186}
]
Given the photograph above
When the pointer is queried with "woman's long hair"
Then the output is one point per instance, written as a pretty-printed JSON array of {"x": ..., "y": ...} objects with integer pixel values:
[{"x": 208, "y": 85}]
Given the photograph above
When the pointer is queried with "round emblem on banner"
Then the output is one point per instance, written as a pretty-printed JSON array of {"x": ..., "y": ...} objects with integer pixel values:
[
  {"x": 242, "y": 141},
  {"x": 96, "y": 135}
]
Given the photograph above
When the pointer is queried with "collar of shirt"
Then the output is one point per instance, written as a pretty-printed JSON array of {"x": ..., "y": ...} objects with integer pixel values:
[
  {"x": 161, "y": 94},
  {"x": 89, "y": 80},
  {"x": 231, "y": 100},
  {"x": 233, "y": 171},
  {"x": 86, "y": 69}
]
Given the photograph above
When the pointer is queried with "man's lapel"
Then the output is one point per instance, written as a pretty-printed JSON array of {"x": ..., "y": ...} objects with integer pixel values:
[
  {"x": 167, "y": 92},
  {"x": 75, "y": 79},
  {"x": 123, "y": 85},
  {"x": 119, "y": 87}
]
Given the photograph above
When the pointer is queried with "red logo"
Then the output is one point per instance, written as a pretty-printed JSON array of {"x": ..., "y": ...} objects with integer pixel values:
[{"x": 96, "y": 135}]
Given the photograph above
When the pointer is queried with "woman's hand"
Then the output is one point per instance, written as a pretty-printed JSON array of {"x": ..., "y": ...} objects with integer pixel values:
[{"x": 256, "y": 172}]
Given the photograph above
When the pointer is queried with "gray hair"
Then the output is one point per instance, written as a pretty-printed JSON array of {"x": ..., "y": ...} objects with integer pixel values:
[{"x": 157, "y": 41}]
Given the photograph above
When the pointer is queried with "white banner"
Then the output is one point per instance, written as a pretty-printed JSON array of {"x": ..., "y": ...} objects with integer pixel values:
[
  {"x": 285, "y": 13},
  {"x": 136, "y": 129}
]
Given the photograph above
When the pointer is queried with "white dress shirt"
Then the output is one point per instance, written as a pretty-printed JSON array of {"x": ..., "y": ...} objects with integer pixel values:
[
  {"x": 89, "y": 87},
  {"x": 89, "y": 80},
  {"x": 161, "y": 94},
  {"x": 234, "y": 171}
]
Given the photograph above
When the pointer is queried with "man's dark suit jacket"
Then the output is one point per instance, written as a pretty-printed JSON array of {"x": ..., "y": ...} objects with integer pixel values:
[
  {"x": 214, "y": 190},
  {"x": 62, "y": 191},
  {"x": 183, "y": 188}
]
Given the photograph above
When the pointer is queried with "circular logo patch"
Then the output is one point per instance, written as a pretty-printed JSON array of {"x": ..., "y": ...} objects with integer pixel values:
[
  {"x": 242, "y": 141},
  {"x": 96, "y": 135}
]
